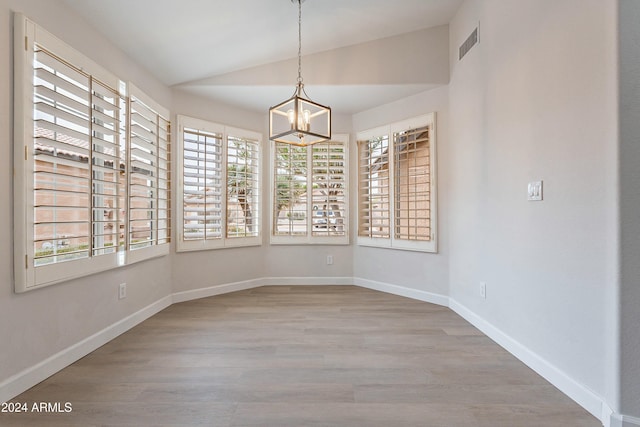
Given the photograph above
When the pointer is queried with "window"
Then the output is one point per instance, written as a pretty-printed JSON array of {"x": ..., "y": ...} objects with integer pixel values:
[
  {"x": 309, "y": 194},
  {"x": 396, "y": 185},
  {"x": 149, "y": 165},
  {"x": 375, "y": 213},
  {"x": 243, "y": 197},
  {"x": 218, "y": 184},
  {"x": 71, "y": 166}
]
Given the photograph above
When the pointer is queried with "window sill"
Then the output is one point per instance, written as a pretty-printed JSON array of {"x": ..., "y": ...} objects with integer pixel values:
[
  {"x": 309, "y": 241},
  {"x": 426, "y": 247},
  {"x": 196, "y": 246}
]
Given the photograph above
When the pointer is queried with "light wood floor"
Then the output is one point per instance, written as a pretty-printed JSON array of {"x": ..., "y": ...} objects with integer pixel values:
[{"x": 302, "y": 356}]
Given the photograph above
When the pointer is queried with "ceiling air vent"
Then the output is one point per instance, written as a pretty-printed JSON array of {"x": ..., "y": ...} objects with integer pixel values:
[{"x": 470, "y": 42}]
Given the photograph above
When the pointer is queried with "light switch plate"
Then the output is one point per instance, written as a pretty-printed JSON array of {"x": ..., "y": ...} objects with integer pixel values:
[{"x": 534, "y": 191}]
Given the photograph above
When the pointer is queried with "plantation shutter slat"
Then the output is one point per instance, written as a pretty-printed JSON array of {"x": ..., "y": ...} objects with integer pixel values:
[
  {"x": 48, "y": 146},
  {"x": 49, "y": 127},
  {"x": 145, "y": 155},
  {"x": 60, "y": 114},
  {"x": 141, "y": 143},
  {"x": 59, "y": 99},
  {"x": 105, "y": 158},
  {"x": 65, "y": 87},
  {"x": 146, "y": 134},
  {"x": 101, "y": 129}
]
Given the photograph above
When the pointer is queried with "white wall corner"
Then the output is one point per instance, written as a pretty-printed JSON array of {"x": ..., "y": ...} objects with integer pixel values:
[
  {"x": 619, "y": 420},
  {"x": 23, "y": 381},
  {"x": 306, "y": 281},
  {"x": 606, "y": 415},
  {"x": 225, "y": 288},
  {"x": 210, "y": 291},
  {"x": 402, "y": 291},
  {"x": 576, "y": 391}
]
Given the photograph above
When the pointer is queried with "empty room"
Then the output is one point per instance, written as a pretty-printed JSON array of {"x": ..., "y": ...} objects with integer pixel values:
[{"x": 320, "y": 213}]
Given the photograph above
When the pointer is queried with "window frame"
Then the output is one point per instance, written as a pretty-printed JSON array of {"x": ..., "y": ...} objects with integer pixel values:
[
  {"x": 224, "y": 241},
  {"x": 28, "y": 276},
  {"x": 308, "y": 238},
  {"x": 153, "y": 250},
  {"x": 392, "y": 242}
]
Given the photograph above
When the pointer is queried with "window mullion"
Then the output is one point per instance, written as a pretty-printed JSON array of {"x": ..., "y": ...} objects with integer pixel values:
[
  {"x": 92, "y": 183},
  {"x": 224, "y": 187},
  {"x": 309, "y": 189},
  {"x": 128, "y": 178}
]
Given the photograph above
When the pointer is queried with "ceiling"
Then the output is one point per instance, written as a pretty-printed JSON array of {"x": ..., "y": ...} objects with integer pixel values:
[{"x": 189, "y": 41}]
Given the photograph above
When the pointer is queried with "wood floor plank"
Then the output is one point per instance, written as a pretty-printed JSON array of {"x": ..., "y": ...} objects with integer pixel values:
[{"x": 302, "y": 356}]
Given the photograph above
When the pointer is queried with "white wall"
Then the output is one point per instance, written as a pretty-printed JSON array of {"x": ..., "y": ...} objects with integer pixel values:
[
  {"x": 629, "y": 107},
  {"x": 419, "y": 271},
  {"x": 422, "y": 55},
  {"x": 38, "y": 324},
  {"x": 535, "y": 100}
]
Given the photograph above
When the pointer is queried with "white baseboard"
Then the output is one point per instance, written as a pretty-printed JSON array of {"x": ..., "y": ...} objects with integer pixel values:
[
  {"x": 255, "y": 283},
  {"x": 216, "y": 290},
  {"x": 618, "y": 420},
  {"x": 306, "y": 281},
  {"x": 606, "y": 415},
  {"x": 26, "y": 379},
  {"x": 402, "y": 291},
  {"x": 576, "y": 391}
]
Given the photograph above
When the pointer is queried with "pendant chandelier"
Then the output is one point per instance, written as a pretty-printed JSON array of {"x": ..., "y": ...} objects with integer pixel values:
[{"x": 298, "y": 120}]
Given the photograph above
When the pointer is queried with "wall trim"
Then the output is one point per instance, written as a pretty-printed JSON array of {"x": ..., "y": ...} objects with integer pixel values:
[
  {"x": 24, "y": 380},
  {"x": 306, "y": 281},
  {"x": 576, "y": 391},
  {"x": 402, "y": 291},
  {"x": 606, "y": 416},
  {"x": 619, "y": 420},
  {"x": 215, "y": 290}
]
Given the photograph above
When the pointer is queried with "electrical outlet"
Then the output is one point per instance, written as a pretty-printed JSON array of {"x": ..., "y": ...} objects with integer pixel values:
[
  {"x": 483, "y": 290},
  {"x": 122, "y": 291},
  {"x": 329, "y": 259},
  {"x": 534, "y": 191}
]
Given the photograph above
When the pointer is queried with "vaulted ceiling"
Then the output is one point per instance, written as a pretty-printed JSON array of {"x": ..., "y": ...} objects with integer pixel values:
[{"x": 244, "y": 52}]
